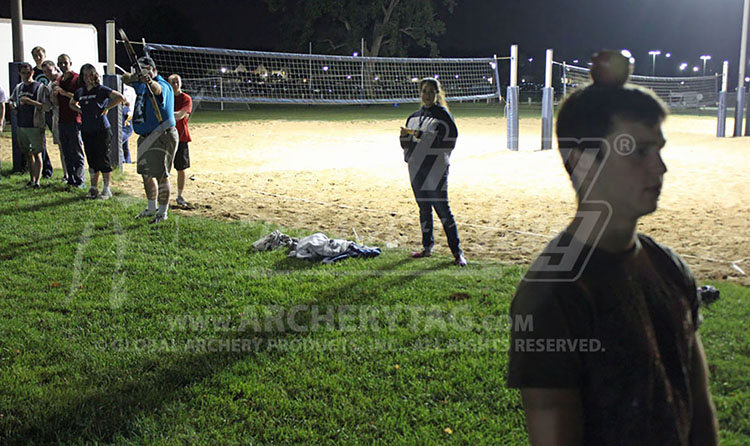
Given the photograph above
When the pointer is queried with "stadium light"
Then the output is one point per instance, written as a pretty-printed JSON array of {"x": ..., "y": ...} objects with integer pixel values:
[
  {"x": 355, "y": 54},
  {"x": 325, "y": 67},
  {"x": 223, "y": 69},
  {"x": 747, "y": 79},
  {"x": 531, "y": 59},
  {"x": 683, "y": 66},
  {"x": 705, "y": 58},
  {"x": 653, "y": 54},
  {"x": 695, "y": 69},
  {"x": 575, "y": 61},
  {"x": 668, "y": 55}
]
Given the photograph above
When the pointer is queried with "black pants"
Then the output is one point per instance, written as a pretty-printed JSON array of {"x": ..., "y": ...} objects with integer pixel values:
[
  {"x": 46, "y": 164},
  {"x": 435, "y": 198}
]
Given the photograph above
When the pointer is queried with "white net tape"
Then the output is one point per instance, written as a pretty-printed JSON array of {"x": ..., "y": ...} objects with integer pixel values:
[
  {"x": 676, "y": 92},
  {"x": 222, "y": 75}
]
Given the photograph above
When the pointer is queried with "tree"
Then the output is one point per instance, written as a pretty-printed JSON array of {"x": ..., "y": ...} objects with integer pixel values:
[{"x": 389, "y": 27}]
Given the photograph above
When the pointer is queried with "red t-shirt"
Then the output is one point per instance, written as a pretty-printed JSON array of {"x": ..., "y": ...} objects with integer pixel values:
[
  {"x": 68, "y": 116},
  {"x": 183, "y": 102}
]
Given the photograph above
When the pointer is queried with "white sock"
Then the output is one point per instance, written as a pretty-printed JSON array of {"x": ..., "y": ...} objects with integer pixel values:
[
  {"x": 163, "y": 208},
  {"x": 151, "y": 205},
  {"x": 106, "y": 184}
]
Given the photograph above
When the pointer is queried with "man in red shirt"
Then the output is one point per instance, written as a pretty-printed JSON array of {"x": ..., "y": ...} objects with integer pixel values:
[
  {"x": 183, "y": 106},
  {"x": 70, "y": 122}
]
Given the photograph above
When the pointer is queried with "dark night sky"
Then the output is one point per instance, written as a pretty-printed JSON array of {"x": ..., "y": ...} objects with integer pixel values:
[{"x": 574, "y": 28}]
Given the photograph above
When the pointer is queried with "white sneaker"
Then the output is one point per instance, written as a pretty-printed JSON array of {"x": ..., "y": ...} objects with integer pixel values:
[
  {"x": 93, "y": 193},
  {"x": 159, "y": 218},
  {"x": 146, "y": 213},
  {"x": 181, "y": 202},
  {"x": 105, "y": 195}
]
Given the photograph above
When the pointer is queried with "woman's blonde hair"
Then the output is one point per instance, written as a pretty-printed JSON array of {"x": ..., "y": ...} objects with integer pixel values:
[{"x": 440, "y": 96}]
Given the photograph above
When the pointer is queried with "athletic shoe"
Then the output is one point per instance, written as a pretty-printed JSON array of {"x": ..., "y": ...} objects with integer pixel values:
[
  {"x": 421, "y": 254},
  {"x": 36, "y": 186},
  {"x": 159, "y": 218},
  {"x": 29, "y": 183},
  {"x": 460, "y": 260},
  {"x": 146, "y": 213},
  {"x": 105, "y": 195},
  {"x": 93, "y": 193},
  {"x": 181, "y": 202}
]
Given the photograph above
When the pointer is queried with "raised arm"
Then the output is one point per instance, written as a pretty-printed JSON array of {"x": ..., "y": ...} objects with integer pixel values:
[{"x": 554, "y": 417}]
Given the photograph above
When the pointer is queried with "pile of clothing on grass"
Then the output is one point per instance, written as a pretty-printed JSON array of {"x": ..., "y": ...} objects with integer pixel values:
[{"x": 315, "y": 247}]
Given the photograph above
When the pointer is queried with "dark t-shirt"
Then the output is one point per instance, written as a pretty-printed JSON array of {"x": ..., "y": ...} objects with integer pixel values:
[
  {"x": 67, "y": 115},
  {"x": 38, "y": 75},
  {"x": 93, "y": 102},
  {"x": 623, "y": 333},
  {"x": 26, "y": 111}
]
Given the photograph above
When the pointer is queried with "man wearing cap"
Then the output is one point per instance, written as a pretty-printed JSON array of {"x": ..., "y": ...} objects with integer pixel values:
[{"x": 157, "y": 139}]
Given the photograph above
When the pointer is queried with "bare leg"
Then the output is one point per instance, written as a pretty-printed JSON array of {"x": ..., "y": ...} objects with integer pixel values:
[
  {"x": 180, "y": 182},
  {"x": 37, "y": 167},
  {"x": 149, "y": 184},
  {"x": 164, "y": 191}
]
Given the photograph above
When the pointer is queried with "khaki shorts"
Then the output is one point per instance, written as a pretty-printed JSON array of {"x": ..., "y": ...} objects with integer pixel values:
[
  {"x": 155, "y": 155},
  {"x": 31, "y": 139}
]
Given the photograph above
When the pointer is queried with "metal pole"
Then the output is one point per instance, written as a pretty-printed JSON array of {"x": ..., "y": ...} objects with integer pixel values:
[
  {"x": 497, "y": 79},
  {"x": 721, "y": 118},
  {"x": 739, "y": 109},
  {"x": 565, "y": 79},
  {"x": 111, "y": 47},
  {"x": 221, "y": 92},
  {"x": 16, "y": 14},
  {"x": 362, "y": 71},
  {"x": 512, "y": 100},
  {"x": 548, "y": 108}
]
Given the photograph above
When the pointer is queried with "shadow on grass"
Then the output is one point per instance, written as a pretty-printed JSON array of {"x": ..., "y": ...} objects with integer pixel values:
[
  {"x": 49, "y": 242},
  {"x": 110, "y": 411}
]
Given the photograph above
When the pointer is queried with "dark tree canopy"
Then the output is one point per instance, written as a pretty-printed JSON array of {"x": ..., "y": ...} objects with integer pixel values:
[{"x": 389, "y": 27}]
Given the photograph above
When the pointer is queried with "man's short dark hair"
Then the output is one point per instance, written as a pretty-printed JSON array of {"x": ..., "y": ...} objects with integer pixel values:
[
  {"x": 63, "y": 55},
  {"x": 145, "y": 60},
  {"x": 588, "y": 113},
  {"x": 37, "y": 49},
  {"x": 48, "y": 63},
  {"x": 23, "y": 65}
]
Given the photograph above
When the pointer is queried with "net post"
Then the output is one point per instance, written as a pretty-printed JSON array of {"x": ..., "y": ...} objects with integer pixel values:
[
  {"x": 221, "y": 92},
  {"x": 512, "y": 100},
  {"x": 497, "y": 79},
  {"x": 114, "y": 116},
  {"x": 111, "y": 47},
  {"x": 721, "y": 118},
  {"x": 548, "y": 95},
  {"x": 565, "y": 79},
  {"x": 739, "y": 110}
]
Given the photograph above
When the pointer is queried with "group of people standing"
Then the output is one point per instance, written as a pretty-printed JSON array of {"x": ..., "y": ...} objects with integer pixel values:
[{"x": 75, "y": 106}]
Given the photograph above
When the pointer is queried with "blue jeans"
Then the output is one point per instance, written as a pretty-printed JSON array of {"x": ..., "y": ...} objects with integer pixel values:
[
  {"x": 437, "y": 198},
  {"x": 72, "y": 147}
]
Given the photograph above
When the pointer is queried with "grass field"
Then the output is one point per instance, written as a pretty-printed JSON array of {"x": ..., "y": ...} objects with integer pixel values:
[{"x": 108, "y": 326}]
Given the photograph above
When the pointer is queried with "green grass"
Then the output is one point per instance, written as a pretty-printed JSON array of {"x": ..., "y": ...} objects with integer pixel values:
[{"x": 101, "y": 316}]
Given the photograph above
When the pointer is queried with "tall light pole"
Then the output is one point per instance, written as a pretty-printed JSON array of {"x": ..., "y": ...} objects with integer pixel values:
[
  {"x": 705, "y": 58},
  {"x": 653, "y": 54}
]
